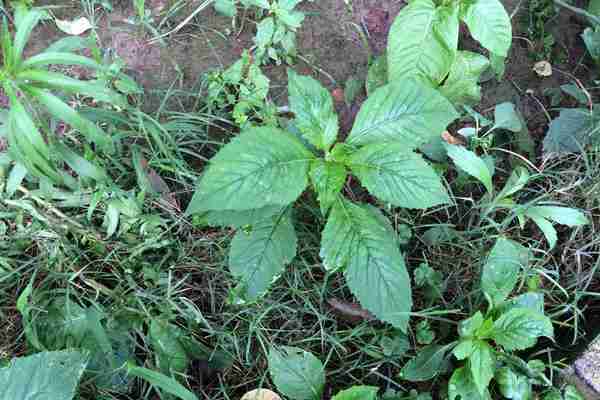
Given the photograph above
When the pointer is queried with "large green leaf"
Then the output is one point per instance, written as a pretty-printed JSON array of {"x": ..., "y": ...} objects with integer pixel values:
[
  {"x": 312, "y": 106},
  {"x": 462, "y": 386},
  {"x": 519, "y": 328},
  {"x": 63, "y": 58},
  {"x": 406, "y": 111},
  {"x": 489, "y": 24},
  {"x": 513, "y": 385},
  {"x": 572, "y": 131},
  {"x": 259, "y": 256},
  {"x": 427, "y": 364},
  {"x": 397, "y": 175},
  {"x": 43, "y": 376},
  {"x": 482, "y": 364},
  {"x": 328, "y": 179},
  {"x": 423, "y": 41},
  {"x": 502, "y": 268},
  {"x": 462, "y": 84},
  {"x": 170, "y": 353},
  {"x": 360, "y": 238},
  {"x": 261, "y": 167},
  {"x": 297, "y": 374}
]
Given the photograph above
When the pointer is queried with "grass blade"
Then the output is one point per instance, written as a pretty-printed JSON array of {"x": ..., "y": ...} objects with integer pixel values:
[{"x": 161, "y": 381}]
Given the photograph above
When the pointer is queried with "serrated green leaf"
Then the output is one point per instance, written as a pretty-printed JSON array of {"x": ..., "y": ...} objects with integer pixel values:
[
  {"x": 258, "y": 257},
  {"x": 313, "y": 109},
  {"x": 462, "y": 84},
  {"x": 501, "y": 269},
  {"x": 297, "y": 374},
  {"x": 357, "y": 393},
  {"x": 470, "y": 163},
  {"x": 531, "y": 300},
  {"x": 397, "y": 175},
  {"x": 360, "y": 239},
  {"x": 262, "y": 166},
  {"x": 464, "y": 349},
  {"x": 482, "y": 364},
  {"x": 512, "y": 385},
  {"x": 405, "y": 111},
  {"x": 46, "y": 375},
  {"x": 462, "y": 387},
  {"x": 519, "y": 329},
  {"x": 489, "y": 24},
  {"x": 328, "y": 179},
  {"x": 469, "y": 326},
  {"x": 264, "y": 32},
  {"x": 572, "y": 131},
  {"x": 292, "y": 19},
  {"x": 423, "y": 40},
  {"x": 428, "y": 363},
  {"x": 170, "y": 354}
]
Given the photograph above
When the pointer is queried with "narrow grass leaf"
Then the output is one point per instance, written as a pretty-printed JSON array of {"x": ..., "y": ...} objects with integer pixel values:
[{"x": 162, "y": 382}]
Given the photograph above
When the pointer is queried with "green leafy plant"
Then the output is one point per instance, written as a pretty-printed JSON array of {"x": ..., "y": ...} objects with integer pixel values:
[
  {"x": 487, "y": 341},
  {"x": 27, "y": 84},
  {"x": 252, "y": 182},
  {"x": 53, "y": 375},
  {"x": 275, "y": 38},
  {"x": 242, "y": 89},
  {"x": 423, "y": 42}
]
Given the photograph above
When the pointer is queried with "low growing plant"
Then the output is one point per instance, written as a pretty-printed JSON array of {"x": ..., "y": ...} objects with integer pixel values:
[
  {"x": 253, "y": 181},
  {"x": 275, "y": 38}
]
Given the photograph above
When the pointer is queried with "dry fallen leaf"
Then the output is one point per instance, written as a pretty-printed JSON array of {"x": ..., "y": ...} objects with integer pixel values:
[
  {"x": 75, "y": 27},
  {"x": 451, "y": 139},
  {"x": 261, "y": 394},
  {"x": 542, "y": 68},
  {"x": 350, "y": 311}
]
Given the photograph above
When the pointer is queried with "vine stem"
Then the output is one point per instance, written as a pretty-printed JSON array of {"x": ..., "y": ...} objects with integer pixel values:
[{"x": 579, "y": 11}]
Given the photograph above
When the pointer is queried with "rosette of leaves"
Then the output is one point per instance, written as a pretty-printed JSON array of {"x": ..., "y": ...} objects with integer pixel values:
[
  {"x": 423, "y": 43},
  {"x": 253, "y": 181}
]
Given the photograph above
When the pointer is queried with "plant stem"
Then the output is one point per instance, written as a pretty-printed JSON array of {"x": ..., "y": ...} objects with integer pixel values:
[{"x": 579, "y": 11}]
